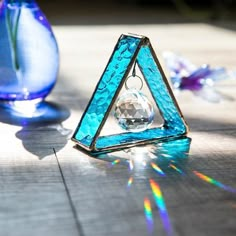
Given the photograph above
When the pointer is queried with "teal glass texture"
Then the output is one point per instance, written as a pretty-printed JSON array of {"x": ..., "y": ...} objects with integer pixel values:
[
  {"x": 29, "y": 57},
  {"x": 106, "y": 89},
  {"x": 165, "y": 153},
  {"x": 128, "y": 49},
  {"x": 134, "y": 137},
  {"x": 160, "y": 92},
  {"x": 171, "y": 150}
]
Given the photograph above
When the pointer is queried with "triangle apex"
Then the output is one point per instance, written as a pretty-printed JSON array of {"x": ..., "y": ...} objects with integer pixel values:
[{"x": 135, "y": 35}]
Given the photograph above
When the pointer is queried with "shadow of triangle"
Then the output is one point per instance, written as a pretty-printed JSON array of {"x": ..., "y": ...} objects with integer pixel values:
[{"x": 129, "y": 49}]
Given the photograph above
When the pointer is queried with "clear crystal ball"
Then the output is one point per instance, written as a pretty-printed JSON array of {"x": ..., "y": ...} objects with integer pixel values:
[{"x": 133, "y": 111}]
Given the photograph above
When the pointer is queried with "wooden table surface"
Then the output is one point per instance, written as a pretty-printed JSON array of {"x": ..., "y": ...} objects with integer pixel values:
[{"x": 71, "y": 193}]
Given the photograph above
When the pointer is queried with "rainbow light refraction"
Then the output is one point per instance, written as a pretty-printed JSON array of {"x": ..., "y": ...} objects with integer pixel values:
[
  {"x": 159, "y": 199},
  {"x": 148, "y": 214},
  {"x": 130, "y": 181},
  {"x": 214, "y": 182},
  {"x": 176, "y": 168},
  {"x": 157, "y": 169},
  {"x": 115, "y": 162}
]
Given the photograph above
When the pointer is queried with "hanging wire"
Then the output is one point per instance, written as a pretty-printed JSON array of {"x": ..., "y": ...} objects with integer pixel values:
[
  {"x": 134, "y": 75},
  {"x": 134, "y": 69}
]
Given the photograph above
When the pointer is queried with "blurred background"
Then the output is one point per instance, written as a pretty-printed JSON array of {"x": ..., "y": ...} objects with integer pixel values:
[{"x": 139, "y": 11}]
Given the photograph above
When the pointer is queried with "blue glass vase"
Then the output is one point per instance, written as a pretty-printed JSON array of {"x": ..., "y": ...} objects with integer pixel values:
[{"x": 29, "y": 57}]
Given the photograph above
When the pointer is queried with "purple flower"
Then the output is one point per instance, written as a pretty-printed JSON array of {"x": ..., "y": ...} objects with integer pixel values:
[{"x": 200, "y": 80}]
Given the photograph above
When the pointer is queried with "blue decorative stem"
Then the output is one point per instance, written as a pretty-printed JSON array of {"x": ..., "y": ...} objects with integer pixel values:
[{"x": 13, "y": 29}]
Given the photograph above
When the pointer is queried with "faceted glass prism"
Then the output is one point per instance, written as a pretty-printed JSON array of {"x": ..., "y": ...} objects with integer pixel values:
[{"x": 133, "y": 111}]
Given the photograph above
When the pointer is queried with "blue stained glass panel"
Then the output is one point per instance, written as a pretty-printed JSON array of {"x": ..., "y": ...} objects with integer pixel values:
[
  {"x": 106, "y": 89},
  {"x": 159, "y": 90}
]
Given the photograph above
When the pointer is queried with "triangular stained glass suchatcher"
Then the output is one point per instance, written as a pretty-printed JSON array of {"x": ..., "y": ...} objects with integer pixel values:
[{"x": 129, "y": 49}]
